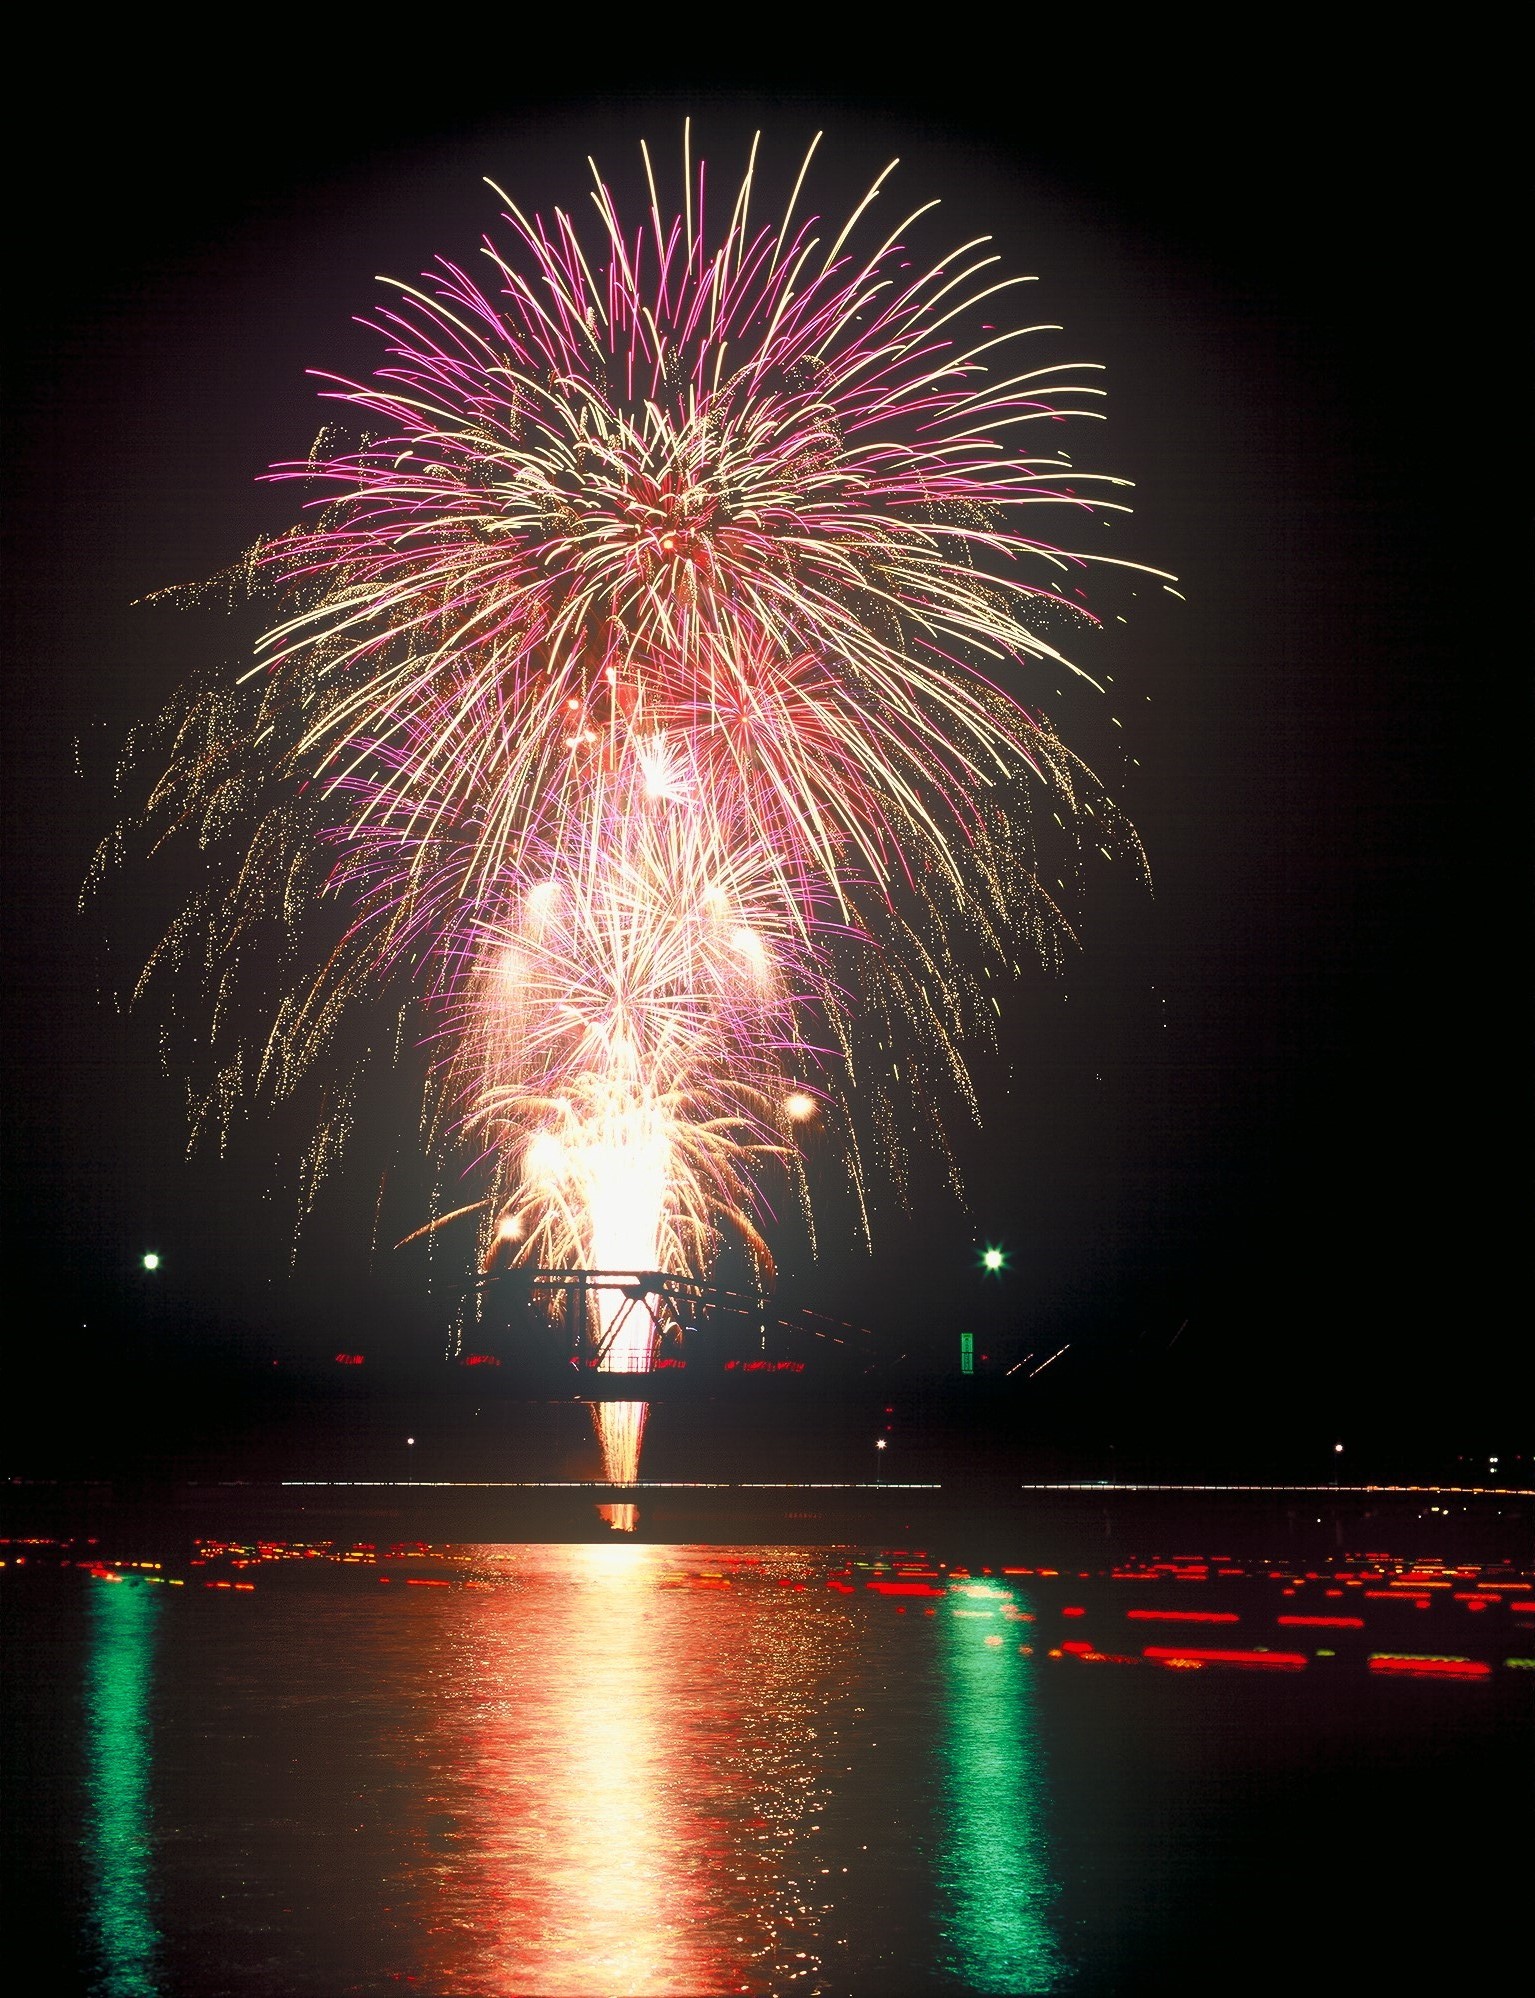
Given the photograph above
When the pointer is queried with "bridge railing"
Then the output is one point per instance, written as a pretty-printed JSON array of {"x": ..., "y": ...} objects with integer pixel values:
[{"x": 531, "y": 1314}]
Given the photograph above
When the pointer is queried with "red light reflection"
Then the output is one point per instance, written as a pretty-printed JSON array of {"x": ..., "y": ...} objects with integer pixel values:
[
  {"x": 1410, "y": 1665},
  {"x": 1185, "y": 1616},
  {"x": 1263, "y": 1661}
]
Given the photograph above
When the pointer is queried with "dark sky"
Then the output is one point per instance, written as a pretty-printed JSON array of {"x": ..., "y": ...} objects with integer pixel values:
[{"x": 1283, "y": 1099}]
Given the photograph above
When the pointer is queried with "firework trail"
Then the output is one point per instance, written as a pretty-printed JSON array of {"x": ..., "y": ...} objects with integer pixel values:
[{"x": 645, "y": 685}]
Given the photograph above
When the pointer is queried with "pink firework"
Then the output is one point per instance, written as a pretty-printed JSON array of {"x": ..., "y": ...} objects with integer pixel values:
[{"x": 654, "y": 671}]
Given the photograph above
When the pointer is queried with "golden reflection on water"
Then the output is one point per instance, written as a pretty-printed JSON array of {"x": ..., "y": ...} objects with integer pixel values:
[
  {"x": 635, "y": 1764},
  {"x": 561, "y": 1772},
  {"x": 585, "y": 1877}
]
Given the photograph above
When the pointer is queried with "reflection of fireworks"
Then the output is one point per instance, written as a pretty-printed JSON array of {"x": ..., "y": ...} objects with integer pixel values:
[{"x": 626, "y": 675}]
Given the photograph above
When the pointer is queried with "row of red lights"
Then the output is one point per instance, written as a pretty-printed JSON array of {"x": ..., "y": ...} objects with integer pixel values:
[{"x": 659, "y": 1366}]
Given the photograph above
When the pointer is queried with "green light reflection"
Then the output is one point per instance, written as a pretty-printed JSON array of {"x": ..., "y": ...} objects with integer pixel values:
[
  {"x": 993, "y": 1875},
  {"x": 119, "y": 1672}
]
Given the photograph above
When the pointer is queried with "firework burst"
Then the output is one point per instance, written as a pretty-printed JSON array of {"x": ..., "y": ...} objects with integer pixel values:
[{"x": 649, "y": 678}]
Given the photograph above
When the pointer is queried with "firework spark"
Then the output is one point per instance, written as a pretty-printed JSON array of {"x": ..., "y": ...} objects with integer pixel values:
[{"x": 649, "y": 679}]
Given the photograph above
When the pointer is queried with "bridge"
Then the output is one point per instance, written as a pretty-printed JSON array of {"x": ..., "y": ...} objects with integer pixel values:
[{"x": 548, "y": 1321}]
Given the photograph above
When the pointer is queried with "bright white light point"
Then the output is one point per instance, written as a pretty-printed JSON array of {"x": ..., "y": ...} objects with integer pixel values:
[
  {"x": 879, "y": 1442},
  {"x": 509, "y": 1229},
  {"x": 151, "y": 1261},
  {"x": 663, "y": 773},
  {"x": 993, "y": 1259},
  {"x": 1337, "y": 1447},
  {"x": 799, "y": 1106},
  {"x": 540, "y": 896},
  {"x": 545, "y": 1155}
]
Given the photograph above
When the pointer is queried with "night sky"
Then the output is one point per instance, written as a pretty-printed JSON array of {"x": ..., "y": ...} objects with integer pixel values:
[{"x": 1271, "y": 1122}]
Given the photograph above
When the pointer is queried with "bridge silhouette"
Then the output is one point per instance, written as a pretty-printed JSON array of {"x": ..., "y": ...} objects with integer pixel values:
[{"x": 547, "y": 1321}]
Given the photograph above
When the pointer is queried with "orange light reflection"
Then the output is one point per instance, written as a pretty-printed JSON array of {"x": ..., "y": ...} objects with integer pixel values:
[{"x": 588, "y": 1882}]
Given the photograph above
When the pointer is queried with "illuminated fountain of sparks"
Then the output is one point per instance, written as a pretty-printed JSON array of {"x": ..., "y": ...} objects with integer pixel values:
[
  {"x": 650, "y": 680},
  {"x": 621, "y": 1032}
]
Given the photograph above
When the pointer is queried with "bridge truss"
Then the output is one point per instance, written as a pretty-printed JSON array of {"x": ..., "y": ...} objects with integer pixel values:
[{"x": 527, "y": 1315}]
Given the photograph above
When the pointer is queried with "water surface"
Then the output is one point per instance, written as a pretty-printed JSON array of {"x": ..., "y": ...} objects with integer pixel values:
[{"x": 645, "y": 1769}]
